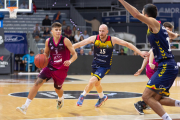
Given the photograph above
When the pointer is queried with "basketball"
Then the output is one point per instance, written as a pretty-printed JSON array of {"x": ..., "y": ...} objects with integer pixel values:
[{"x": 40, "y": 61}]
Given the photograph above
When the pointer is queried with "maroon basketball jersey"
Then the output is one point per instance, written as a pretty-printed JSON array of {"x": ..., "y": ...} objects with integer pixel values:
[{"x": 58, "y": 54}]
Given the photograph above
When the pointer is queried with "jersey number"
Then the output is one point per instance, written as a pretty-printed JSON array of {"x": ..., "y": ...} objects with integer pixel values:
[
  {"x": 168, "y": 44},
  {"x": 102, "y": 51},
  {"x": 56, "y": 51}
]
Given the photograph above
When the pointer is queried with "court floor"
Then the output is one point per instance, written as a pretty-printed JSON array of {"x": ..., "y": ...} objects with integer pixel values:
[{"x": 122, "y": 90}]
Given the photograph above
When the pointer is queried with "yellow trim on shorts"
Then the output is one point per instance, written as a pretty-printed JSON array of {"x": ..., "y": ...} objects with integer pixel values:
[
  {"x": 98, "y": 76},
  {"x": 166, "y": 93},
  {"x": 107, "y": 71},
  {"x": 163, "y": 92}
]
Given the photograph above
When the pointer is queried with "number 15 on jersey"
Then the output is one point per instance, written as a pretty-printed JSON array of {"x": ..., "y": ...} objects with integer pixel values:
[{"x": 102, "y": 51}]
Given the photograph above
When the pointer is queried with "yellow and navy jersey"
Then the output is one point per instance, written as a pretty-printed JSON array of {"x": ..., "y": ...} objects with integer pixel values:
[
  {"x": 103, "y": 52},
  {"x": 160, "y": 44}
]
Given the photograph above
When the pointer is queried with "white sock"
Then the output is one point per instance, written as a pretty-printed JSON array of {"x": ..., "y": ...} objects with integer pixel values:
[
  {"x": 177, "y": 103},
  {"x": 61, "y": 98},
  {"x": 166, "y": 117},
  {"x": 84, "y": 93},
  {"x": 28, "y": 101},
  {"x": 101, "y": 95}
]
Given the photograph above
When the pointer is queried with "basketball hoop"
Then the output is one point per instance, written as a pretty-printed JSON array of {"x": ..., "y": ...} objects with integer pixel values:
[{"x": 12, "y": 12}]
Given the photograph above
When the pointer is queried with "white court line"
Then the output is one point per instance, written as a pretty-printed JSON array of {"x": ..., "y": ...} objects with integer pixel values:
[
  {"x": 110, "y": 117},
  {"x": 28, "y": 73}
]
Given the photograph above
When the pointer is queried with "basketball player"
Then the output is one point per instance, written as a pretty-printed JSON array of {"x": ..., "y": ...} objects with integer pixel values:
[
  {"x": 101, "y": 65},
  {"x": 58, "y": 49},
  {"x": 162, "y": 80},
  {"x": 151, "y": 68}
]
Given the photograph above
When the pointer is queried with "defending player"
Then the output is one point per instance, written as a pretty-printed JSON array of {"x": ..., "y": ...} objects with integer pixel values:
[
  {"x": 157, "y": 90},
  {"x": 151, "y": 67},
  {"x": 101, "y": 65},
  {"x": 59, "y": 49}
]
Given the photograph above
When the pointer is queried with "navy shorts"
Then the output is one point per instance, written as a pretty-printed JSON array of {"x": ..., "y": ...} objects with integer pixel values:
[
  {"x": 164, "y": 77},
  {"x": 99, "y": 71}
]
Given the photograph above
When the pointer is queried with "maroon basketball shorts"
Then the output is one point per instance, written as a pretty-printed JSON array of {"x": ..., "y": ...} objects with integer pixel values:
[{"x": 57, "y": 75}]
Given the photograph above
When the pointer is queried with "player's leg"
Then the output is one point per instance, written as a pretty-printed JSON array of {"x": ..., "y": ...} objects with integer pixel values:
[
  {"x": 152, "y": 99},
  {"x": 31, "y": 95},
  {"x": 102, "y": 97},
  {"x": 60, "y": 100},
  {"x": 141, "y": 105},
  {"x": 91, "y": 84},
  {"x": 87, "y": 89},
  {"x": 43, "y": 77},
  {"x": 149, "y": 98},
  {"x": 35, "y": 88},
  {"x": 59, "y": 76}
]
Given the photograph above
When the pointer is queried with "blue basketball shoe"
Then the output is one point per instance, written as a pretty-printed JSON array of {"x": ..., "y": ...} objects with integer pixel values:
[
  {"x": 101, "y": 100},
  {"x": 80, "y": 100}
]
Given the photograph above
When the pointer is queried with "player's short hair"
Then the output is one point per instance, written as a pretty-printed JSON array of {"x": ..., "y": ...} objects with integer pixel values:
[
  {"x": 56, "y": 24},
  {"x": 150, "y": 10},
  {"x": 168, "y": 24}
]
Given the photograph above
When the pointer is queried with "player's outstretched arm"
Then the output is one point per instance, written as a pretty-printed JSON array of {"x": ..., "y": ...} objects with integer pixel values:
[
  {"x": 84, "y": 42},
  {"x": 46, "y": 49},
  {"x": 151, "y": 22},
  {"x": 172, "y": 35},
  {"x": 145, "y": 62},
  {"x": 68, "y": 44},
  {"x": 116, "y": 40}
]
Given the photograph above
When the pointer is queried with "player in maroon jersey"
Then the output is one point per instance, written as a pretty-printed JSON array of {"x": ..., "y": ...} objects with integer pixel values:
[{"x": 58, "y": 49}]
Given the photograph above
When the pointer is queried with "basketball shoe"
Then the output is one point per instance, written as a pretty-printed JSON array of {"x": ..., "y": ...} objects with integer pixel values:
[
  {"x": 60, "y": 104},
  {"x": 101, "y": 100},
  {"x": 139, "y": 107},
  {"x": 22, "y": 109},
  {"x": 80, "y": 100}
]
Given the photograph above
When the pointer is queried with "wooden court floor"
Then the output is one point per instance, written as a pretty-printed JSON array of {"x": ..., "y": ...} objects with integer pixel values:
[{"x": 123, "y": 91}]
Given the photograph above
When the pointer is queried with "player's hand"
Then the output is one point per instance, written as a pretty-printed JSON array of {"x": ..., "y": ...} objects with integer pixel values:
[
  {"x": 144, "y": 54},
  {"x": 138, "y": 72},
  {"x": 67, "y": 63},
  {"x": 152, "y": 66}
]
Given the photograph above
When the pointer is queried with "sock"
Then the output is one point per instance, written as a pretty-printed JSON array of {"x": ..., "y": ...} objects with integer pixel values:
[
  {"x": 84, "y": 93},
  {"x": 28, "y": 101},
  {"x": 166, "y": 117},
  {"x": 61, "y": 98},
  {"x": 101, "y": 95},
  {"x": 177, "y": 103}
]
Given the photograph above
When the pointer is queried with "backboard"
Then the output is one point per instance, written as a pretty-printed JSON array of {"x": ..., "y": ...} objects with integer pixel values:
[{"x": 23, "y": 5}]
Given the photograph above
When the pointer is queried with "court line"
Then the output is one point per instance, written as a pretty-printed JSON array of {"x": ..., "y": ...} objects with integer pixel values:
[{"x": 111, "y": 117}]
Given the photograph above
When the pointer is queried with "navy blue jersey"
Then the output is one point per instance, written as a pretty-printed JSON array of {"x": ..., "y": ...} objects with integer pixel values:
[
  {"x": 103, "y": 52},
  {"x": 160, "y": 44}
]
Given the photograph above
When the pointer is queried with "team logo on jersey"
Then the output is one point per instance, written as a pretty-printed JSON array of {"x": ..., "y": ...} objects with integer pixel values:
[
  {"x": 161, "y": 86},
  {"x": 50, "y": 44},
  {"x": 176, "y": 67},
  {"x": 52, "y": 47},
  {"x": 76, "y": 94}
]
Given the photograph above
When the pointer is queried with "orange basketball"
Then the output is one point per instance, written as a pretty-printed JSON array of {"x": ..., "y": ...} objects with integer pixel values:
[{"x": 40, "y": 61}]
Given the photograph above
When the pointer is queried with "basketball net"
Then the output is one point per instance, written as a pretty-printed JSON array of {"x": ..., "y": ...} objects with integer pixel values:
[{"x": 12, "y": 12}]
